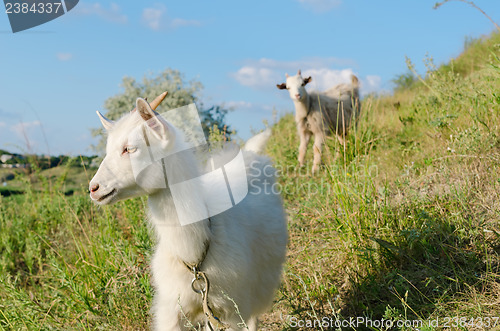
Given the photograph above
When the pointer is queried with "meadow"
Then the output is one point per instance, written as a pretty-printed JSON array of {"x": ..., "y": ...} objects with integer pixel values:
[{"x": 401, "y": 223}]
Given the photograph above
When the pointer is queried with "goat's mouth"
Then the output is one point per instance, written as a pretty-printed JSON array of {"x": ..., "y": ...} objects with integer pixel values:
[{"x": 106, "y": 198}]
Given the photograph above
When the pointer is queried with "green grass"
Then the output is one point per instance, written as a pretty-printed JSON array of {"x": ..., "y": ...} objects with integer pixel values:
[
  {"x": 400, "y": 224},
  {"x": 67, "y": 178},
  {"x": 66, "y": 264},
  {"x": 404, "y": 223}
]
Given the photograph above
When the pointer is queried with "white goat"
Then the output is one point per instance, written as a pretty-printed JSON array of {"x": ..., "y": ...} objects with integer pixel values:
[
  {"x": 321, "y": 114},
  {"x": 241, "y": 251}
]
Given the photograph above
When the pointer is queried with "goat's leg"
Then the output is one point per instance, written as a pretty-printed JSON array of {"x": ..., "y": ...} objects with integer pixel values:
[
  {"x": 169, "y": 300},
  {"x": 304, "y": 141},
  {"x": 166, "y": 316},
  {"x": 253, "y": 323},
  {"x": 317, "y": 148}
]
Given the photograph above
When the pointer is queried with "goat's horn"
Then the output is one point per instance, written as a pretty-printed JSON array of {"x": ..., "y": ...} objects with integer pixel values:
[
  {"x": 156, "y": 102},
  {"x": 108, "y": 124}
]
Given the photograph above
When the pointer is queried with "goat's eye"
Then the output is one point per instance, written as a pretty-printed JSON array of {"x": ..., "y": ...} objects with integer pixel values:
[{"x": 129, "y": 149}]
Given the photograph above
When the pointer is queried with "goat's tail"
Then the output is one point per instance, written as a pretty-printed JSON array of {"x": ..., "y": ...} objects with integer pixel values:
[
  {"x": 257, "y": 143},
  {"x": 355, "y": 88},
  {"x": 356, "y": 104},
  {"x": 354, "y": 81}
]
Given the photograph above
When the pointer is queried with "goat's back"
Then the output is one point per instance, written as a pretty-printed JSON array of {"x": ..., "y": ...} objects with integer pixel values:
[
  {"x": 249, "y": 244},
  {"x": 339, "y": 106}
]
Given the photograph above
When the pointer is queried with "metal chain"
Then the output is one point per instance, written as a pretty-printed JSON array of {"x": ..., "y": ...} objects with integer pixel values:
[{"x": 200, "y": 285}]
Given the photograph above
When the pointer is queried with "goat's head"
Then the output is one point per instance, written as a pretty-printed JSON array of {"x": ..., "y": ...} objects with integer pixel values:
[
  {"x": 295, "y": 86},
  {"x": 130, "y": 143}
]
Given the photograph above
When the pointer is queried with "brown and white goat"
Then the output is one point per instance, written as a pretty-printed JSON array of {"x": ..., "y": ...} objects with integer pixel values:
[{"x": 321, "y": 114}]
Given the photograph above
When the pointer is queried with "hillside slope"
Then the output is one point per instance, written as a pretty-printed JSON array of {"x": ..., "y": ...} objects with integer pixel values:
[{"x": 402, "y": 222}]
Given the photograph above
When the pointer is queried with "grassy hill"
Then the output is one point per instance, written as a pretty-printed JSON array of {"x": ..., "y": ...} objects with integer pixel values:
[
  {"x": 400, "y": 224},
  {"x": 403, "y": 222}
]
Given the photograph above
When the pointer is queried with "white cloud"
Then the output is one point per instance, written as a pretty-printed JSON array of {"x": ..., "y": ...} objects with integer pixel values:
[
  {"x": 264, "y": 74},
  {"x": 320, "y": 6},
  {"x": 2, "y": 124},
  {"x": 156, "y": 19},
  {"x": 238, "y": 105},
  {"x": 64, "y": 56},
  {"x": 372, "y": 83},
  {"x": 309, "y": 62},
  {"x": 112, "y": 14},
  {"x": 324, "y": 78},
  {"x": 152, "y": 17},
  {"x": 256, "y": 77}
]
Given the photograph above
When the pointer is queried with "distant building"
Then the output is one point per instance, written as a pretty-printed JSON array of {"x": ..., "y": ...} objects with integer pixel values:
[
  {"x": 6, "y": 157},
  {"x": 15, "y": 165},
  {"x": 95, "y": 162}
]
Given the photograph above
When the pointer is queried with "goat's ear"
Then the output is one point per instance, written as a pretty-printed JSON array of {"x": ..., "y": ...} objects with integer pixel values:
[
  {"x": 299, "y": 73},
  {"x": 281, "y": 86},
  {"x": 307, "y": 80},
  {"x": 154, "y": 121},
  {"x": 287, "y": 75},
  {"x": 106, "y": 123}
]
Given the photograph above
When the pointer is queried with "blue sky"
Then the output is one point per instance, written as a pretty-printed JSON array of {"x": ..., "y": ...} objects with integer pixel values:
[{"x": 54, "y": 77}]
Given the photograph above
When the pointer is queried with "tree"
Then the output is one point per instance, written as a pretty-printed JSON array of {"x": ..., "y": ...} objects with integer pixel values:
[
  {"x": 404, "y": 81},
  {"x": 180, "y": 94},
  {"x": 213, "y": 118}
]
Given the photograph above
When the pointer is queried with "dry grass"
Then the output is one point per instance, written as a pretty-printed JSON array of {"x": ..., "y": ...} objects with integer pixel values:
[{"x": 404, "y": 224}]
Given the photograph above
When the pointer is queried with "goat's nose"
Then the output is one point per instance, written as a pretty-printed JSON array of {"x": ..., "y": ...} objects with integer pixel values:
[
  {"x": 297, "y": 96},
  {"x": 94, "y": 188}
]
